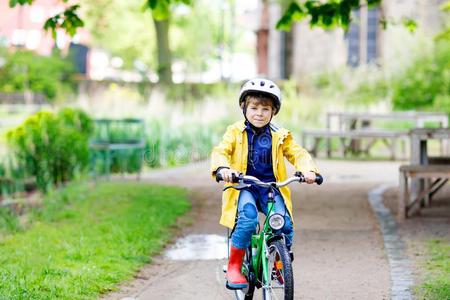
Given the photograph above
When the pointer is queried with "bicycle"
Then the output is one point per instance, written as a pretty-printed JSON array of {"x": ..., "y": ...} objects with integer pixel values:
[{"x": 267, "y": 262}]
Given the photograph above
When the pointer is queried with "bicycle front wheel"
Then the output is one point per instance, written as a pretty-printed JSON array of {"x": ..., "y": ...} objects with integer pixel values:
[{"x": 281, "y": 278}]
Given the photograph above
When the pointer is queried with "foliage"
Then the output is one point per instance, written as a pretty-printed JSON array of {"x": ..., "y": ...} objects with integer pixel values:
[
  {"x": 425, "y": 84},
  {"x": 325, "y": 14},
  {"x": 328, "y": 14},
  {"x": 9, "y": 221},
  {"x": 161, "y": 8},
  {"x": 119, "y": 131},
  {"x": 120, "y": 27},
  {"x": 437, "y": 281},
  {"x": 27, "y": 71},
  {"x": 178, "y": 145},
  {"x": 52, "y": 147},
  {"x": 86, "y": 239},
  {"x": 445, "y": 34},
  {"x": 198, "y": 34},
  {"x": 12, "y": 176},
  {"x": 68, "y": 20}
]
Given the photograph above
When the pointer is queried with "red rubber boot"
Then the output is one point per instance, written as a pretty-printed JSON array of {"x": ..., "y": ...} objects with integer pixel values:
[{"x": 235, "y": 279}]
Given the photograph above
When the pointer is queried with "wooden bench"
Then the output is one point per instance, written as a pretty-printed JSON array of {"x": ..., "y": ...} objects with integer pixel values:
[
  {"x": 437, "y": 173},
  {"x": 390, "y": 139}
]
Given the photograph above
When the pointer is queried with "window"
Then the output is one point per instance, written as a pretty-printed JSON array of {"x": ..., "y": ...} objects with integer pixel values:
[{"x": 369, "y": 45}]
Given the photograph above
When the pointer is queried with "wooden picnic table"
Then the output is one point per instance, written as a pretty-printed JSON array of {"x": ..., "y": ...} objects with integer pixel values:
[
  {"x": 347, "y": 119},
  {"x": 345, "y": 137},
  {"x": 428, "y": 175},
  {"x": 350, "y": 121}
]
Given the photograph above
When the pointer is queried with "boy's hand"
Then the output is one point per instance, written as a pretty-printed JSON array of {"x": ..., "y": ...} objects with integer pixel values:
[
  {"x": 227, "y": 174},
  {"x": 310, "y": 177}
]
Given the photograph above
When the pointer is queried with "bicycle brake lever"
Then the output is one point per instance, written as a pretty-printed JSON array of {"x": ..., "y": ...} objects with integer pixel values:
[{"x": 240, "y": 186}]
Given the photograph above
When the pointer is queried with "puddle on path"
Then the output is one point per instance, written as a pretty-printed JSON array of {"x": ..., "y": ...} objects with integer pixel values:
[{"x": 198, "y": 247}]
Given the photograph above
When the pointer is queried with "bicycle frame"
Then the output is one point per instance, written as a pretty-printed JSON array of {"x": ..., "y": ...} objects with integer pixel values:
[{"x": 259, "y": 249}]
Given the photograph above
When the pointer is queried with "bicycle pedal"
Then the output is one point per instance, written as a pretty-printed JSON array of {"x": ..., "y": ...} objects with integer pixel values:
[{"x": 235, "y": 288}]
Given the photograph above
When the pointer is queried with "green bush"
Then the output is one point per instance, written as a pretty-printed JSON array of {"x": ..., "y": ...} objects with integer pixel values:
[
  {"x": 119, "y": 131},
  {"x": 426, "y": 83},
  {"x": 52, "y": 147},
  {"x": 177, "y": 145},
  {"x": 27, "y": 71},
  {"x": 12, "y": 176}
]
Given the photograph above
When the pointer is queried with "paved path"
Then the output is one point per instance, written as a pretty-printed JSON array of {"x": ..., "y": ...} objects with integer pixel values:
[{"x": 338, "y": 246}]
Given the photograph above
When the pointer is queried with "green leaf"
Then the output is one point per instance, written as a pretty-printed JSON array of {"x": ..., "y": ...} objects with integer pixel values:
[
  {"x": 161, "y": 11},
  {"x": 67, "y": 20},
  {"x": 293, "y": 13},
  {"x": 13, "y": 3},
  {"x": 446, "y": 6},
  {"x": 373, "y": 3},
  {"x": 410, "y": 24},
  {"x": 152, "y": 3}
]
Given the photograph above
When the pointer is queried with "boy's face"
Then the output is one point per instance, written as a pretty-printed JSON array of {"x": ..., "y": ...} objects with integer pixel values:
[{"x": 258, "y": 114}]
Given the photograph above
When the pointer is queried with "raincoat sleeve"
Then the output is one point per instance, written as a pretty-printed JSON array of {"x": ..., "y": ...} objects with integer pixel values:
[
  {"x": 298, "y": 156},
  {"x": 221, "y": 154}
]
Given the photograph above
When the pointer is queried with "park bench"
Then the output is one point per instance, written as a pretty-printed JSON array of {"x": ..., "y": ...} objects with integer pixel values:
[
  {"x": 427, "y": 174},
  {"x": 117, "y": 138},
  {"x": 346, "y": 137},
  {"x": 439, "y": 175}
]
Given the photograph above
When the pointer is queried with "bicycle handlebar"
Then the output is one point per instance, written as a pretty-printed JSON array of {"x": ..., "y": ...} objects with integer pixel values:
[{"x": 241, "y": 178}]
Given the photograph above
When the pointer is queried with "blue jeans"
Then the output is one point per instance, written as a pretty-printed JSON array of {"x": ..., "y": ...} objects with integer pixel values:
[{"x": 248, "y": 219}]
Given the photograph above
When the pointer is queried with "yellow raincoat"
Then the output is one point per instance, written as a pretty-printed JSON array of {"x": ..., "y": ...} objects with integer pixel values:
[{"x": 232, "y": 152}]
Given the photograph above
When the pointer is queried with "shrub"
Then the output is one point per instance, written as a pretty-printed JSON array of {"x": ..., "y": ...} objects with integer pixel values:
[
  {"x": 27, "y": 71},
  {"x": 180, "y": 144},
  {"x": 52, "y": 147},
  {"x": 118, "y": 131},
  {"x": 12, "y": 176},
  {"x": 426, "y": 83}
]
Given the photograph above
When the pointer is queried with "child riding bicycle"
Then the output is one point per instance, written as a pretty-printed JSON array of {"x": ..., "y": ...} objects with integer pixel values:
[{"x": 256, "y": 147}]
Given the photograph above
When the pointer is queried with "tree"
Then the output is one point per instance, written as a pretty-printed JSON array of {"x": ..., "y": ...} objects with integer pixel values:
[
  {"x": 69, "y": 21},
  {"x": 326, "y": 14},
  {"x": 329, "y": 14},
  {"x": 161, "y": 18}
]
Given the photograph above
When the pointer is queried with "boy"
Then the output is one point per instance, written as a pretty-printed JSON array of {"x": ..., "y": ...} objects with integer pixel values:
[{"x": 256, "y": 147}]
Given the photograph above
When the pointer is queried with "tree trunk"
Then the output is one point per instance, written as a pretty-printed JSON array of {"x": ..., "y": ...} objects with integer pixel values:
[
  {"x": 164, "y": 55},
  {"x": 262, "y": 41}
]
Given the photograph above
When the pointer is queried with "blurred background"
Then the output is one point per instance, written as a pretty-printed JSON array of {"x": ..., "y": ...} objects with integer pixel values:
[
  {"x": 173, "y": 72},
  {"x": 124, "y": 89}
]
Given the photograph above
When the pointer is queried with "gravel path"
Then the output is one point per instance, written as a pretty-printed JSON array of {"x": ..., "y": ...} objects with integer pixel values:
[{"x": 338, "y": 246}]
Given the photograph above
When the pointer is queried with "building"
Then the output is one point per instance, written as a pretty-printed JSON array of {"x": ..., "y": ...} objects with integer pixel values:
[
  {"x": 21, "y": 27},
  {"x": 304, "y": 50}
]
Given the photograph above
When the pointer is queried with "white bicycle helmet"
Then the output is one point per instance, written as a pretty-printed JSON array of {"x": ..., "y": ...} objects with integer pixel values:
[{"x": 261, "y": 86}]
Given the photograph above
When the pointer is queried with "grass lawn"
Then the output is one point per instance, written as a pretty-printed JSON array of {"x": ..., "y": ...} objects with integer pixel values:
[
  {"x": 86, "y": 239},
  {"x": 436, "y": 283}
]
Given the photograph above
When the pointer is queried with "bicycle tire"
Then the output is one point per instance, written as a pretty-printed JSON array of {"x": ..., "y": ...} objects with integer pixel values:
[{"x": 281, "y": 281}]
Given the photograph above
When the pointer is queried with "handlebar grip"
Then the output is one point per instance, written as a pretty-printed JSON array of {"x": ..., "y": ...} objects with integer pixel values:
[
  {"x": 218, "y": 177},
  {"x": 319, "y": 179},
  {"x": 234, "y": 178}
]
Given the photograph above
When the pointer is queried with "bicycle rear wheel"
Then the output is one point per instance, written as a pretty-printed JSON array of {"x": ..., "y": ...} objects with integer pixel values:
[
  {"x": 247, "y": 293},
  {"x": 281, "y": 281}
]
